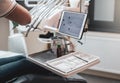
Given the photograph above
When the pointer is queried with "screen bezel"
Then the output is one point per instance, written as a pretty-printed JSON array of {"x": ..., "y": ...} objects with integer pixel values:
[{"x": 81, "y": 29}]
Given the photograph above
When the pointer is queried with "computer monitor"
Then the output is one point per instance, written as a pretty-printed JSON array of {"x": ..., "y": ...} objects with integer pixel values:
[{"x": 72, "y": 24}]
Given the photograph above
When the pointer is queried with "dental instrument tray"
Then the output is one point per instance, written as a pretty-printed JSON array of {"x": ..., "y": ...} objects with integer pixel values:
[{"x": 66, "y": 65}]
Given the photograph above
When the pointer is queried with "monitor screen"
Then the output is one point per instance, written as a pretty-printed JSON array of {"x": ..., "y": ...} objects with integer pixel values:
[{"x": 72, "y": 24}]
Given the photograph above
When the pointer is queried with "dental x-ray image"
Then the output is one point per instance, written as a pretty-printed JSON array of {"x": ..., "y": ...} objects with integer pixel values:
[{"x": 72, "y": 24}]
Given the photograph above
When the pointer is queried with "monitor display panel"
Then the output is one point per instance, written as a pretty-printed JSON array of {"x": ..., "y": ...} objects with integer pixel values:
[{"x": 72, "y": 24}]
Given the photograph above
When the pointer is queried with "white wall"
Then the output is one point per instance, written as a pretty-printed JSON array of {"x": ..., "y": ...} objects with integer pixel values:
[
  {"x": 104, "y": 45},
  {"x": 104, "y": 10}
]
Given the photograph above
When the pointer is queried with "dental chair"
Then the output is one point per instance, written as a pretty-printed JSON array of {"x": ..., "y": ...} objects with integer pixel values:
[{"x": 37, "y": 78}]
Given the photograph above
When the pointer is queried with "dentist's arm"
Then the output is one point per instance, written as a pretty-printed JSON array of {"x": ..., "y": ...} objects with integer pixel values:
[{"x": 11, "y": 10}]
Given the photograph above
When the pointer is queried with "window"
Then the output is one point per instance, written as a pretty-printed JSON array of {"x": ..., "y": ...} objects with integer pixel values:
[{"x": 104, "y": 16}]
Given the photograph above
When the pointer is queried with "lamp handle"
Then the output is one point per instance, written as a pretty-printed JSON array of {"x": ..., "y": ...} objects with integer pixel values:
[{"x": 30, "y": 3}]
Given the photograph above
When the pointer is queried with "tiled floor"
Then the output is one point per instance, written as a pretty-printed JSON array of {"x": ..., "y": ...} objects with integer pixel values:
[{"x": 95, "y": 79}]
